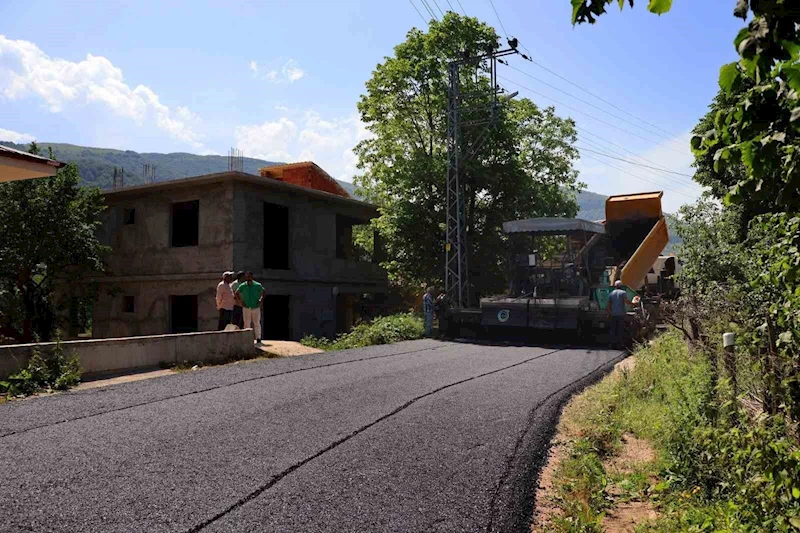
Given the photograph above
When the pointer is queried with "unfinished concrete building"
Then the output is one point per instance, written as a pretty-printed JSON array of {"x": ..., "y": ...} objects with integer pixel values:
[{"x": 172, "y": 240}]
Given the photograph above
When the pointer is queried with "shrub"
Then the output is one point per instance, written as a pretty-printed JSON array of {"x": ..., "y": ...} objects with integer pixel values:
[
  {"x": 383, "y": 330},
  {"x": 56, "y": 371},
  {"x": 724, "y": 469}
]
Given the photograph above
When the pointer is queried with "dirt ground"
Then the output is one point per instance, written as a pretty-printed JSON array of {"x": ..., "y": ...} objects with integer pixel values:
[
  {"x": 624, "y": 516},
  {"x": 286, "y": 348}
]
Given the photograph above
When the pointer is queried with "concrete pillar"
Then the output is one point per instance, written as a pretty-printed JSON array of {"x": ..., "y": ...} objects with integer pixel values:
[{"x": 728, "y": 343}]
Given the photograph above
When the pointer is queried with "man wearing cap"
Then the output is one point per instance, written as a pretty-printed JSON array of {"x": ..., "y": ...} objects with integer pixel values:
[
  {"x": 225, "y": 300},
  {"x": 250, "y": 294},
  {"x": 617, "y": 301},
  {"x": 238, "y": 316}
]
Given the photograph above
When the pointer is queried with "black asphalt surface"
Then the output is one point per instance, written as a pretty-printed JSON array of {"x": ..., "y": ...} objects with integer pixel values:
[{"x": 415, "y": 436}]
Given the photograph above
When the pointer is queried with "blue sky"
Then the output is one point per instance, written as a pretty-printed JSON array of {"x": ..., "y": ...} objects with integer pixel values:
[{"x": 280, "y": 80}]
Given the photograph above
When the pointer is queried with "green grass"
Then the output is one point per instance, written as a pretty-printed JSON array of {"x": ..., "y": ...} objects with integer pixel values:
[
  {"x": 383, "y": 330},
  {"x": 717, "y": 468}
]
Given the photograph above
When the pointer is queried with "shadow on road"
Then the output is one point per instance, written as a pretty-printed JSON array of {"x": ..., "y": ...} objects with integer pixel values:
[{"x": 522, "y": 337}]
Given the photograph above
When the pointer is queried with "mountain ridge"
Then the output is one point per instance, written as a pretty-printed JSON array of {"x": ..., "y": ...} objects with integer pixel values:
[{"x": 96, "y": 166}]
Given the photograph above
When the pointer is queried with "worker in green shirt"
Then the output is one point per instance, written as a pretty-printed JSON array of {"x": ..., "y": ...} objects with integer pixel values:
[{"x": 250, "y": 295}]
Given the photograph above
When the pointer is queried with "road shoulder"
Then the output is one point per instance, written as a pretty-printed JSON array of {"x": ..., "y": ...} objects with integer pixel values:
[{"x": 595, "y": 479}]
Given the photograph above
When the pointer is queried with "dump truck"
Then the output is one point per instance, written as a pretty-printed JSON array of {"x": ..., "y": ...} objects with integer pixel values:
[{"x": 562, "y": 271}]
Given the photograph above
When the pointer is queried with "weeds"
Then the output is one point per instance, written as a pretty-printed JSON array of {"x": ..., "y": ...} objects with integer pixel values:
[
  {"x": 54, "y": 371},
  {"x": 720, "y": 468},
  {"x": 383, "y": 330}
]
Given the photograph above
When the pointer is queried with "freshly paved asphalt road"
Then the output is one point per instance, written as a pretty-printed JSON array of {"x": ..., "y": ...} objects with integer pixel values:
[{"x": 416, "y": 436}]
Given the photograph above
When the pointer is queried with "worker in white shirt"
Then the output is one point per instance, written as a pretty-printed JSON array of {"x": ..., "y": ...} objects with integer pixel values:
[
  {"x": 225, "y": 300},
  {"x": 238, "y": 314}
]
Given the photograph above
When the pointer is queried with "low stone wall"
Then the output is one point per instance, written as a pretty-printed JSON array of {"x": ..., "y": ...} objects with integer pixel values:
[{"x": 103, "y": 355}]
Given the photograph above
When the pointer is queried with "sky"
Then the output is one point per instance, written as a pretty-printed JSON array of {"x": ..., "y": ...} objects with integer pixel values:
[{"x": 280, "y": 80}]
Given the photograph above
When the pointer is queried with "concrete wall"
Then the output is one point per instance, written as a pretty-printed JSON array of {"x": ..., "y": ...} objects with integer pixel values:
[
  {"x": 145, "y": 247},
  {"x": 102, "y": 355},
  {"x": 231, "y": 237},
  {"x": 311, "y": 306},
  {"x": 151, "y": 314},
  {"x": 312, "y": 238},
  {"x": 314, "y": 269}
]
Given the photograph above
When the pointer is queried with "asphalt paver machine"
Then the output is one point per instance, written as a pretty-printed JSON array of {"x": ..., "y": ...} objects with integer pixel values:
[{"x": 562, "y": 270}]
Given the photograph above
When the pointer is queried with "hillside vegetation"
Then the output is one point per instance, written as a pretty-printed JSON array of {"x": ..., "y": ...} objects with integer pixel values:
[{"x": 96, "y": 165}]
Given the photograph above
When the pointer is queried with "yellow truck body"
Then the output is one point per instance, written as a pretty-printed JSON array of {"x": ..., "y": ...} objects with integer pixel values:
[{"x": 638, "y": 224}]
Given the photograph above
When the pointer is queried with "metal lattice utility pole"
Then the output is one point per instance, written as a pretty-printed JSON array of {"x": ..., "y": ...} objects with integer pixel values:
[{"x": 484, "y": 116}]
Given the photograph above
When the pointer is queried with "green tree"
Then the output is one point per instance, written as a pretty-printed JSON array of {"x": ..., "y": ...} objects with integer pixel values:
[
  {"x": 524, "y": 169},
  {"x": 47, "y": 237},
  {"x": 758, "y": 128},
  {"x": 589, "y": 10},
  {"x": 711, "y": 251}
]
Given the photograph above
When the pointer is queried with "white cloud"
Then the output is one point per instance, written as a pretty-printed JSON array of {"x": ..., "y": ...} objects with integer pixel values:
[
  {"x": 292, "y": 72},
  {"x": 186, "y": 115},
  {"x": 610, "y": 176},
  {"x": 328, "y": 142},
  {"x": 15, "y": 137},
  {"x": 289, "y": 72},
  {"x": 270, "y": 140},
  {"x": 25, "y": 70}
]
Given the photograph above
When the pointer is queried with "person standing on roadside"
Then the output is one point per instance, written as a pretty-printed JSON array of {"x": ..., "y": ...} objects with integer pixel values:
[
  {"x": 238, "y": 317},
  {"x": 250, "y": 295},
  {"x": 617, "y": 302},
  {"x": 427, "y": 310},
  {"x": 225, "y": 300}
]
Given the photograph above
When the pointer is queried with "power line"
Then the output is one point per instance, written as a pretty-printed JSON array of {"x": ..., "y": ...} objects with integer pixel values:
[
  {"x": 672, "y": 135},
  {"x": 429, "y": 10},
  {"x": 638, "y": 177},
  {"x": 667, "y": 180},
  {"x": 437, "y": 6},
  {"x": 637, "y": 164},
  {"x": 462, "y": 7},
  {"x": 584, "y": 130},
  {"x": 587, "y": 91},
  {"x": 589, "y": 115},
  {"x": 672, "y": 140},
  {"x": 634, "y": 154},
  {"x": 451, "y": 6},
  {"x": 678, "y": 180},
  {"x": 418, "y": 11},
  {"x": 498, "y": 19}
]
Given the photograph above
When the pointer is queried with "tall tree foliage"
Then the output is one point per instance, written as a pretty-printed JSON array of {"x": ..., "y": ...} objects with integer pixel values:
[
  {"x": 47, "y": 236},
  {"x": 747, "y": 150},
  {"x": 524, "y": 169}
]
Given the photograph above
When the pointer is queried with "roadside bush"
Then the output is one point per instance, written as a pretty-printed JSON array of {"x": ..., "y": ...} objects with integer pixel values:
[
  {"x": 725, "y": 468},
  {"x": 382, "y": 330},
  {"x": 55, "y": 371},
  {"x": 722, "y": 467},
  {"x": 753, "y": 468}
]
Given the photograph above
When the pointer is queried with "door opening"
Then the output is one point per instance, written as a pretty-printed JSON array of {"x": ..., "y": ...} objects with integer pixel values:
[
  {"x": 276, "y": 323},
  {"x": 183, "y": 314}
]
